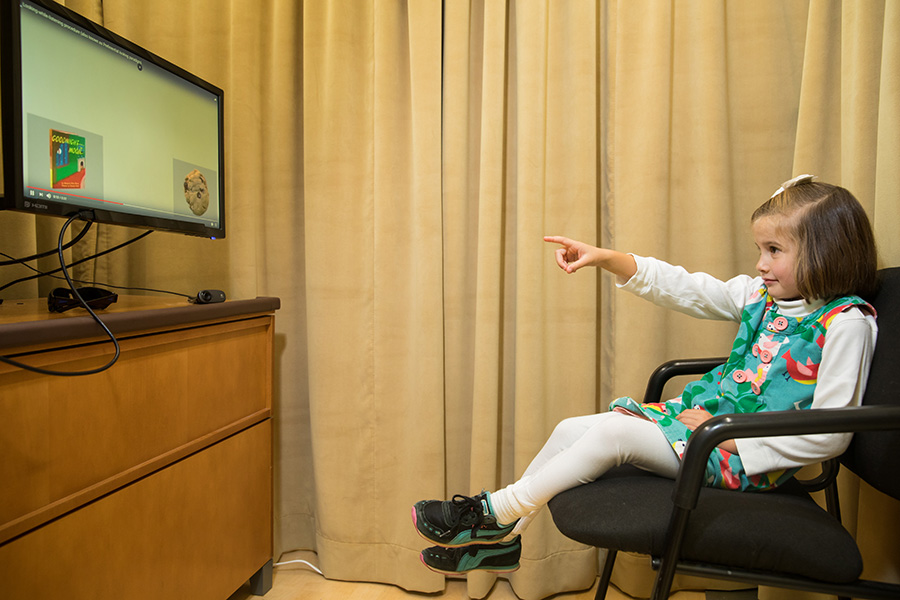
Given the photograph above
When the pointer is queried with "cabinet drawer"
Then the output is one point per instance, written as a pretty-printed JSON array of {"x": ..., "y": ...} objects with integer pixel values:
[
  {"x": 196, "y": 529},
  {"x": 65, "y": 440}
]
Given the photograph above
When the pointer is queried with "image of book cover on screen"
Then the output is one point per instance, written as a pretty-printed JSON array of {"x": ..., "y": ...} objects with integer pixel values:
[{"x": 67, "y": 160}]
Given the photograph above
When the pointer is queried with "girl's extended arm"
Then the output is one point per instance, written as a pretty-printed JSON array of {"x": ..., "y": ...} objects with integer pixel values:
[{"x": 573, "y": 255}]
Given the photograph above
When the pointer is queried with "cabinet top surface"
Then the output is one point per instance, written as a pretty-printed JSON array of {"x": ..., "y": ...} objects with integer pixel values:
[
  {"x": 35, "y": 309},
  {"x": 27, "y": 322}
]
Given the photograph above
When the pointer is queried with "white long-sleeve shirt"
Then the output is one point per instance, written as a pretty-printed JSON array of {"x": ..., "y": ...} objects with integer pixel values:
[{"x": 842, "y": 375}]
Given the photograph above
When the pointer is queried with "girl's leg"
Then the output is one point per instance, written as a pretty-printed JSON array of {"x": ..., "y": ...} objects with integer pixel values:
[
  {"x": 580, "y": 451},
  {"x": 567, "y": 432}
]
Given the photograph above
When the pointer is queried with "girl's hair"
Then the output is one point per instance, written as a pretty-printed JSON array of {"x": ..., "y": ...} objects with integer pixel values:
[{"x": 836, "y": 246}]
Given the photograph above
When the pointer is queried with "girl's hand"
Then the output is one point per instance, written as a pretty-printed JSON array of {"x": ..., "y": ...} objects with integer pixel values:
[
  {"x": 573, "y": 255},
  {"x": 694, "y": 417}
]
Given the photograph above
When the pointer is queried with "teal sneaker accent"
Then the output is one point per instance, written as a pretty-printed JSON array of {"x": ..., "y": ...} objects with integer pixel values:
[
  {"x": 502, "y": 557},
  {"x": 462, "y": 521}
]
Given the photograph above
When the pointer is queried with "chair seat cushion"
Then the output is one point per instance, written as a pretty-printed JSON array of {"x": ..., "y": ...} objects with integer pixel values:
[{"x": 782, "y": 530}]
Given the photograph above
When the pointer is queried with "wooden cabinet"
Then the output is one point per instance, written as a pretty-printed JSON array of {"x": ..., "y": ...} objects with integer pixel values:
[{"x": 152, "y": 479}]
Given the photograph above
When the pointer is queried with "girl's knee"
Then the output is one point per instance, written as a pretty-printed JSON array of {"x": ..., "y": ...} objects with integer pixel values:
[
  {"x": 573, "y": 425},
  {"x": 618, "y": 430},
  {"x": 568, "y": 430}
]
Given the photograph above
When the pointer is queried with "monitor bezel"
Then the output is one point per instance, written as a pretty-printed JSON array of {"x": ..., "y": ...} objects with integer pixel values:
[{"x": 14, "y": 197}]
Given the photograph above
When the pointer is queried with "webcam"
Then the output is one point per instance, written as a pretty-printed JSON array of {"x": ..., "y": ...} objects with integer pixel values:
[{"x": 209, "y": 297}]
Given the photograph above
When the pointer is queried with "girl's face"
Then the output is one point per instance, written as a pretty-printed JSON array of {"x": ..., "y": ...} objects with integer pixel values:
[{"x": 777, "y": 258}]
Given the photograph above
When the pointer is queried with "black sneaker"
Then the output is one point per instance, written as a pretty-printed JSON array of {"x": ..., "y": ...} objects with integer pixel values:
[
  {"x": 462, "y": 521},
  {"x": 502, "y": 557}
]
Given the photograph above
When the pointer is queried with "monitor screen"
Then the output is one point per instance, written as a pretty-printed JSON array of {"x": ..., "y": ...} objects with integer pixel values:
[{"x": 93, "y": 122}]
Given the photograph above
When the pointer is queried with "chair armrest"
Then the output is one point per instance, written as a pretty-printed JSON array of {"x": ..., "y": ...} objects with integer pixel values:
[
  {"x": 674, "y": 368},
  {"x": 769, "y": 424}
]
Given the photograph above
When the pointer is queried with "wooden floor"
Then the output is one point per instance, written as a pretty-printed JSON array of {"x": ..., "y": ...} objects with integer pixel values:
[
  {"x": 299, "y": 582},
  {"x": 295, "y": 584}
]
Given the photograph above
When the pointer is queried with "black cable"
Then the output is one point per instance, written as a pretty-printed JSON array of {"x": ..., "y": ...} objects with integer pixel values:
[
  {"x": 75, "y": 240},
  {"x": 62, "y": 262},
  {"x": 104, "y": 284},
  {"x": 77, "y": 262}
]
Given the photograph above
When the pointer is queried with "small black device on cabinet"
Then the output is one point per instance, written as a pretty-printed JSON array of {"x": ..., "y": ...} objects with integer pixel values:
[{"x": 209, "y": 297}]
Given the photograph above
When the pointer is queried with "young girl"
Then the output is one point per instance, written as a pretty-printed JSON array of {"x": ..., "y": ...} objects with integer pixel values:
[{"x": 805, "y": 340}]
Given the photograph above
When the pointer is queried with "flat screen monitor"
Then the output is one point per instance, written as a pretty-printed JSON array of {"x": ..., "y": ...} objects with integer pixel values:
[{"x": 94, "y": 122}]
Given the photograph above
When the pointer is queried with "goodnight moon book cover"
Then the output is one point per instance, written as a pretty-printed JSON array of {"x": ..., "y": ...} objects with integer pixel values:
[{"x": 67, "y": 160}]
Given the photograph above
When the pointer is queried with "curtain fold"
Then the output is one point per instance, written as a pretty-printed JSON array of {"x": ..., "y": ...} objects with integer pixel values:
[
  {"x": 391, "y": 168},
  {"x": 886, "y": 211},
  {"x": 372, "y": 83},
  {"x": 556, "y": 319}
]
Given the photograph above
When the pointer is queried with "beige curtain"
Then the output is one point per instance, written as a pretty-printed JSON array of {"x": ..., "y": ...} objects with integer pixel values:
[
  {"x": 391, "y": 169},
  {"x": 372, "y": 190},
  {"x": 520, "y": 146}
]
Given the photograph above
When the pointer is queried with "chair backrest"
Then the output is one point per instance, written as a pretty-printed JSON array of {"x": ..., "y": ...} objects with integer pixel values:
[{"x": 871, "y": 454}]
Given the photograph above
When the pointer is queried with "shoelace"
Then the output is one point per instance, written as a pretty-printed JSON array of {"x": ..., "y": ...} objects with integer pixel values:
[{"x": 469, "y": 506}]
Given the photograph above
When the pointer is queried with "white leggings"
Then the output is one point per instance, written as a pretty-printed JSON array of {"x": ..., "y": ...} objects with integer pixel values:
[{"x": 580, "y": 450}]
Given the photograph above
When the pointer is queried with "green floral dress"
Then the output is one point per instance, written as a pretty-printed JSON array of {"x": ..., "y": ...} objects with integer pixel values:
[{"x": 773, "y": 366}]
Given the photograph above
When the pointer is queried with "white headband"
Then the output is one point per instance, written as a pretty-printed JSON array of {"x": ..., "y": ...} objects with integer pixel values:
[{"x": 792, "y": 182}]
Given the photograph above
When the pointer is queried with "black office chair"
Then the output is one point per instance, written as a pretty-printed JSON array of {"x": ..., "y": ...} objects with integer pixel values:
[{"x": 780, "y": 538}]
